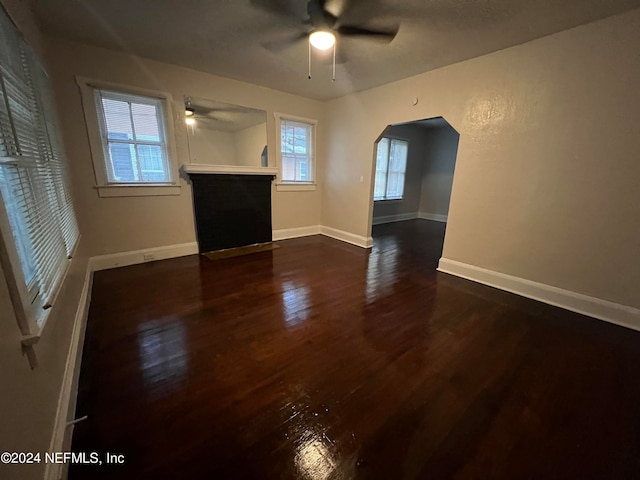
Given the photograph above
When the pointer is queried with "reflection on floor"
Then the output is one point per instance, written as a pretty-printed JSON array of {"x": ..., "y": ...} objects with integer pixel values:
[{"x": 321, "y": 360}]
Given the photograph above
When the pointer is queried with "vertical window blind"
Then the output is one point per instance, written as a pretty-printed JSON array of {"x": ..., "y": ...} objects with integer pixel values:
[{"x": 33, "y": 181}]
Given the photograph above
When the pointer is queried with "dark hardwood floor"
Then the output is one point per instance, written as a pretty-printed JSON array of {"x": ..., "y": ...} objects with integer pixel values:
[{"x": 321, "y": 360}]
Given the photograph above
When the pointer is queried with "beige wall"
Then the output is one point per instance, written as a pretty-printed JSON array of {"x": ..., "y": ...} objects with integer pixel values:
[
  {"x": 29, "y": 398},
  {"x": 250, "y": 143},
  {"x": 212, "y": 147},
  {"x": 440, "y": 151},
  {"x": 413, "y": 178},
  {"x": 215, "y": 147},
  {"x": 546, "y": 182},
  {"x": 130, "y": 223}
]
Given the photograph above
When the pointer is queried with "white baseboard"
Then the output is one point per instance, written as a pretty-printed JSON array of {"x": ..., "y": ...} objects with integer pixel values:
[
  {"x": 433, "y": 216},
  {"x": 594, "y": 307},
  {"x": 60, "y": 440},
  {"x": 358, "y": 240},
  {"x": 286, "y": 233},
  {"x": 400, "y": 217},
  {"x": 103, "y": 262}
]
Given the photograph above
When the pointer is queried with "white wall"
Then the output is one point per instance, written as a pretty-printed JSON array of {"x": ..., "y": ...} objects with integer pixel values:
[
  {"x": 546, "y": 182},
  {"x": 124, "y": 224}
]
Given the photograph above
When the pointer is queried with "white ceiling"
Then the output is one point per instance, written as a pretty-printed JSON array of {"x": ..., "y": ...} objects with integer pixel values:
[{"x": 224, "y": 37}]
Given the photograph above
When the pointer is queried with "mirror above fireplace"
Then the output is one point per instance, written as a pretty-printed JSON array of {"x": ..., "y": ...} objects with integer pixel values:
[{"x": 226, "y": 134}]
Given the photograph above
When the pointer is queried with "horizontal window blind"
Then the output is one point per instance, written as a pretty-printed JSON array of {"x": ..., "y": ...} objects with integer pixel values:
[
  {"x": 133, "y": 137},
  {"x": 296, "y": 144},
  {"x": 33, "y": 180}
]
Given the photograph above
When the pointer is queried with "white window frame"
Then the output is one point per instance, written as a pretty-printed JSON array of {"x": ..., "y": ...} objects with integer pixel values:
[
  {"x": 104, "y": 187},
  {"x": 375, "y": 166},
  {"x": 33, "y": 307},
  {"x": 296, "y": 186}
]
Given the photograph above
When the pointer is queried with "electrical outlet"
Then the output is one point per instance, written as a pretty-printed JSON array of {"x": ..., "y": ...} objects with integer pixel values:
[{"x": 147, "y": 257}]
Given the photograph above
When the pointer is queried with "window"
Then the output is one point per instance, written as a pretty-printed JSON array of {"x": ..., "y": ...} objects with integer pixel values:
[
  {"x": 296, "y": 159},
  {"x": 130, "y": 139},
  {"x": 132, "y": 132},
  {"x": 38, "y": 230},
  {"x": 391, "y": 165}
]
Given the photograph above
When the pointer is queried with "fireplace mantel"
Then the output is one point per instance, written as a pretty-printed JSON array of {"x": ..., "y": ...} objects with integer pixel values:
[{"x": 199, "y": 169}]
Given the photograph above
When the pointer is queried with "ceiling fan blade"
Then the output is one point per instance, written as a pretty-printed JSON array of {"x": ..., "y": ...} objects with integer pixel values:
[
  {"x": 386, "y": 35},
  {"x": 320, "y": 17},
  {"x": 280, "y": 44}
]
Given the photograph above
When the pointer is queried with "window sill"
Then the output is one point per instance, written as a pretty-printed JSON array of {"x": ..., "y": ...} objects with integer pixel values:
[
  {"x": 390, "y": 200},
  {"x": 295, "y": 187},
  {"x": 106, "y": 191}
]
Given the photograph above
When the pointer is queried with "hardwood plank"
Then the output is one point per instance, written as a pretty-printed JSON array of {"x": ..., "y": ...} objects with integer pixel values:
[{"x": 321, "y": 360}]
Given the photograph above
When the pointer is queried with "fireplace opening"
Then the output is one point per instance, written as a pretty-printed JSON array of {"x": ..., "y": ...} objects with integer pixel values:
[{"x": 231, "y": 210}]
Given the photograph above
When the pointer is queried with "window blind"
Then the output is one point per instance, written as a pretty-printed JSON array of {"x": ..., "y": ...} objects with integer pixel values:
[
  {"x": 33, "y": 180},
  {"x": 133, "y": 137},
  {"x": 296, "y": 145},
  {"x": 391, "y": 166}
]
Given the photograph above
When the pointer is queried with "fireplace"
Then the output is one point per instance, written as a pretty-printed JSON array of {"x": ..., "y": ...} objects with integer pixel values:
[{"x": 231, "y": 209}]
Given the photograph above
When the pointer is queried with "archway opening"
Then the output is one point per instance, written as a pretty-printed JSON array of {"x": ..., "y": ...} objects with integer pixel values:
[{"x": 414, "y": 165}]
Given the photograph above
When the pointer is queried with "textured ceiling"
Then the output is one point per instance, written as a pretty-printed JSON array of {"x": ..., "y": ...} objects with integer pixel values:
[{"x": 225, "y": 37}]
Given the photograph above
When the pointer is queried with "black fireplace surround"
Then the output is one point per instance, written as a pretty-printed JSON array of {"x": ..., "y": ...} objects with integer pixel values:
[{"x": 231, "y": 210}]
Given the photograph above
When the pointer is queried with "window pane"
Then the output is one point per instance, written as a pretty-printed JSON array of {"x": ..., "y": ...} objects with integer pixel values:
[
  {"x": 391, "y": 164},
  {"x": 118, "y": 119},
  {"x": 398, "y": 156},
  {"x": 303, "y": 171},
  {"x": 287, "y": 139},
  {"x": 152, "y": 164},
  {"x": 382, "y": 155},
  {"x": 145, "y": 121},
  {"x": 395, "y": 185},
  {"x": 382, "y": 163},
  {"x": 379, "y": 189},
  {"x": 9, "y": 181},
  {"x": 300, "y": 140},
  {"x": 123, "y": 162},
  {"x": 288, "y": 168},
  {"x": 296, "y": 149}
]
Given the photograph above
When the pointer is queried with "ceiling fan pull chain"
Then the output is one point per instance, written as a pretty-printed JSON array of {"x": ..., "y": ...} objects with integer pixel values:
[
  {"x": 309, "y": 60},
  {"x": 334, "y": 61}
]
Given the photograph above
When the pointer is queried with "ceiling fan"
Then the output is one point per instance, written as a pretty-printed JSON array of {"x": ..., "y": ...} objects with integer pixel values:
[{"x": 321, "y": 27}]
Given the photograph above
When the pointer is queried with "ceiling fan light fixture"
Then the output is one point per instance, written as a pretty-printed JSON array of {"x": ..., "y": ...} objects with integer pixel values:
[
  {"x": 188, "y": 111},
  {"x": 190, "y": 121},
  {"x": 322, "y": 40}
]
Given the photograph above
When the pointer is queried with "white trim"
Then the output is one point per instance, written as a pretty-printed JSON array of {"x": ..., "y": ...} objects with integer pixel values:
[
  {"x": 295, "y": 187},
  {"x": 60, "y": 441},
  {"x": 358, "y": 240},
  {"x": 96, "y": 143},
  {"x": 433, "y": 216},
  {"x": 400, "y": 217},
  {"x": 623, "y": 315},
  {"x": 314, "y": 129},
  {"x": 108, "y": 191},
  {"x": 228, "y": 169},
  {"x": 18, "y": 291},
  {"x": 123, "y": 259},
  {"x": 286, "y": 233}
]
